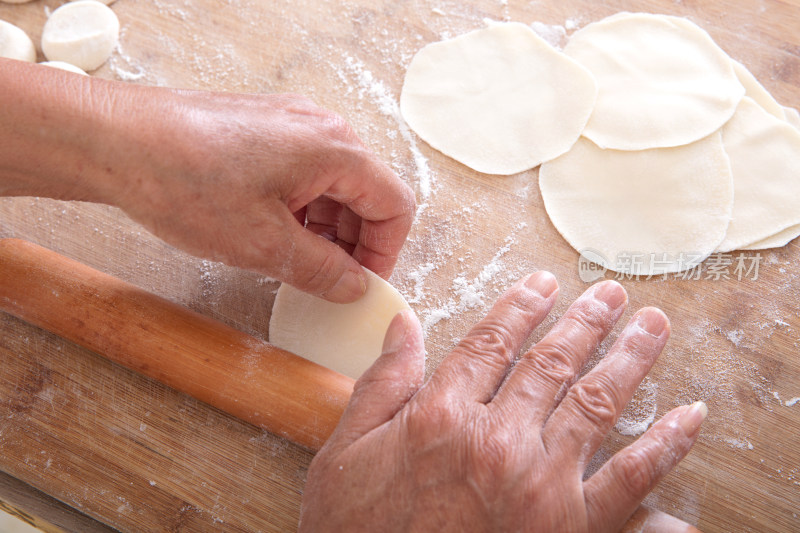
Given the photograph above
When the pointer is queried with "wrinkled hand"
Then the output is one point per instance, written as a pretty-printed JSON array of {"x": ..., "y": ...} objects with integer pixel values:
[
  {"x": 269, "y": 183},
  {"x": 487, "y": 445}
]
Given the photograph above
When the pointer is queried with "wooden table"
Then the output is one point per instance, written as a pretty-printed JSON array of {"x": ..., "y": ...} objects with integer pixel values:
[{"x": 134, "y": 455}]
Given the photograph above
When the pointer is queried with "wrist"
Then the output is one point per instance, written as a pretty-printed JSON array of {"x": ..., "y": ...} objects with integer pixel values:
[{"x": 58, "y": 134}]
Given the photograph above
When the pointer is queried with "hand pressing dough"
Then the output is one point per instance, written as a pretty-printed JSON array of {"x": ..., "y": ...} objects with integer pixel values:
[
  {"x": 81, "y": 33},
  {"x": 346, "y": 338},
  {"x": 647, "y": 203},
  {"x": 757, "y": 92},
  {"x": 663, "y": 81},
  {"x": 499, "y": 100},
  {"x": 63, "y": 66},
  {"x": 15, "y": 43},
  {"x": 765, "y": 159}
]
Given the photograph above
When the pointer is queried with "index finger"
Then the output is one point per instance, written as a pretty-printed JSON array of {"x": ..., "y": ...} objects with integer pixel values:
[{"x": 386, "y": 205}]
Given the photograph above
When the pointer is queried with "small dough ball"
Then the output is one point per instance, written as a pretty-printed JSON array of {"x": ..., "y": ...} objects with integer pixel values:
[
  {"x": 499, "y": 100},
  {"x": 81, "y": 33},
  {"x": 63, "y": 66},
  {"x": 641, "y": 212},
  {"x": 346, "y": 338},
  {"x": 663, "y": 81},
  {"x": 15, "y": 43}
]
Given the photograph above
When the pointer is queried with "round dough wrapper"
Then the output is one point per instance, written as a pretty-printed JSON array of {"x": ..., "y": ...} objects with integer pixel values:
[
  {"x": 15, "y": 43},
  {"x": 765, "y": 158},
  {"x": 782, "y": 238},
  {"x": 63, "y": 66},
  {"x": 81, "y": 33},
  {"x": 346, "y": 338},
  {"x": 499, "y": 100},
  {"x": 757, "y": 92},
  {"x": 663, "y": 81},
  {"x": 641, "y": 212},
  {"x": 792, "y": 117}
]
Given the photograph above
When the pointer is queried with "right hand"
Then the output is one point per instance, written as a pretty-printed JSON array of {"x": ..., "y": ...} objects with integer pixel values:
[{"x": 487, "y": 446}]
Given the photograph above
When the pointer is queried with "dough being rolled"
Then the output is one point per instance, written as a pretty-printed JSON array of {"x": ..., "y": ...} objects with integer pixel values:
[
  {"x": 15, "y": 43},
  {"x": 499, "y": 100},
  {"x": 663, "y": 81},
  {"x": 641, "y": 212},
  {"x": 346, "y": 338}
]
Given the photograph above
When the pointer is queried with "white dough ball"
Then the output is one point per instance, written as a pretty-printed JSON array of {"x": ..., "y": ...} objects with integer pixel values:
[
  {"x": 63, "y": 66},
  {"x": 81, "y": 33},
  {"x": 15, "y": 43}
]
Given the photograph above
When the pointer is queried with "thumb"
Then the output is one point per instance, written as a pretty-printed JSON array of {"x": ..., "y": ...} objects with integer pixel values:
[
  {"x": 317, "y": 266},
  {"x": 382, "y": 391}
]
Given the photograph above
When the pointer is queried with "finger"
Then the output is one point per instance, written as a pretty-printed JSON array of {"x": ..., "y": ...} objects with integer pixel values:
[
  {"x": 616, "y": 490},
  {"x": 308, "y": 261},
  {"x": 649, "y": 520},
  {"x": 388, "y": 384},
  {"x": 591, "y": 407},
  {"x": 386, "y": 206},
  {"x": 541, "y": 376},
  {"x": 476, "y": 367}
]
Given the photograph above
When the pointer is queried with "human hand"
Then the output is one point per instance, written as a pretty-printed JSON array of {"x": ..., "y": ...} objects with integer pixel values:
[
  {"x": 269, "y": 183},
  {"x": 488, "y": 445}
]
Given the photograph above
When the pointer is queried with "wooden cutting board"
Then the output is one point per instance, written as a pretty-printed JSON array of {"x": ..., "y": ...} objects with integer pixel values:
[{"x": 138, "y": 456}]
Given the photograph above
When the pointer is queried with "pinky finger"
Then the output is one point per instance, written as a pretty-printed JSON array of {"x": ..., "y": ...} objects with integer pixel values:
[{"x": 615, "y": 491}]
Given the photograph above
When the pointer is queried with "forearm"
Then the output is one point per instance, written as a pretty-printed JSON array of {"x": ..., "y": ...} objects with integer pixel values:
[{"x": 57, "y": 134}]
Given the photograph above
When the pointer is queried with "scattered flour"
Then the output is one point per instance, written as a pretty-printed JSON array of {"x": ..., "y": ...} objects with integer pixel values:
[
  {"x": 470, "y": 294},
  {"x": 641, "y": 411},
  {"x": 791, "y": 402},
  {"x": 388, "y": 106}
]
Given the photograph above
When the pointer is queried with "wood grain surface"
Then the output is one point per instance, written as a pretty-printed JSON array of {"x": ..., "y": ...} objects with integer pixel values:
[{"x": 139, "y": 456}]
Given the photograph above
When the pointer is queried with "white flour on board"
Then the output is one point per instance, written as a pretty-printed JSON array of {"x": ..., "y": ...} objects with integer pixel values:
[{"x": 376, "y": 90}]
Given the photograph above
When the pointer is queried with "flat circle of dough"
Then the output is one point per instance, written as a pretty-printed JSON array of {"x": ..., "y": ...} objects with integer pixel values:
[
  {"x": 663, "y": 81},
  {"x": 765, "y": 159},
  {"x": 668, "y": 207},
  {"x": 499, "y": 100},
  {"x": 756, "y": 91},
  {"x": 346, "y": 338},
  {"x": 81, "y": 33},
  {"x": 15, "y": 43},
  {"x": 63, "y": 66}
]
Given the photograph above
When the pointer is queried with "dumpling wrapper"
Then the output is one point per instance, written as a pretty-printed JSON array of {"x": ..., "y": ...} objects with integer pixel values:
[
  {"x": 670, "y": 207},
  {"x": 663, "y": 81},
  {"x": 765, "y": 159},
  {"x": 500, "y": 100},
  {"x": 346, "y": 338}
]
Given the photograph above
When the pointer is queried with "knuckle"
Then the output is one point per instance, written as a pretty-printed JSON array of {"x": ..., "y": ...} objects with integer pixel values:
[
  {"x": 635, "y": 471},
  {"x": 430, "y": 420},
  {"x": 553, "y": 362},
  {"x": 591, "y": 320},
  {"x": 320, "y": 277},
  {"x": 489, "y": 342},
  {"x": 596, "y": 401}
]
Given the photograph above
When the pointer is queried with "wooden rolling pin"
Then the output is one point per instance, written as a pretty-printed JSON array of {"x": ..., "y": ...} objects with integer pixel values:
[{"x": 242, "y": 375}]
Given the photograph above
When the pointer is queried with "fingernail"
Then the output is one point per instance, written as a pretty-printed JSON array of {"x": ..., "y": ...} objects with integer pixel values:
[
  {"x": 350, "y": 287},
  {"x": 542, "y": 282},
  {"x": 395, "y": 335},
  {"x": 612, "y": 294},
  {"x": 652, "y": 321},
  {"x": 690, "y": 420}
]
